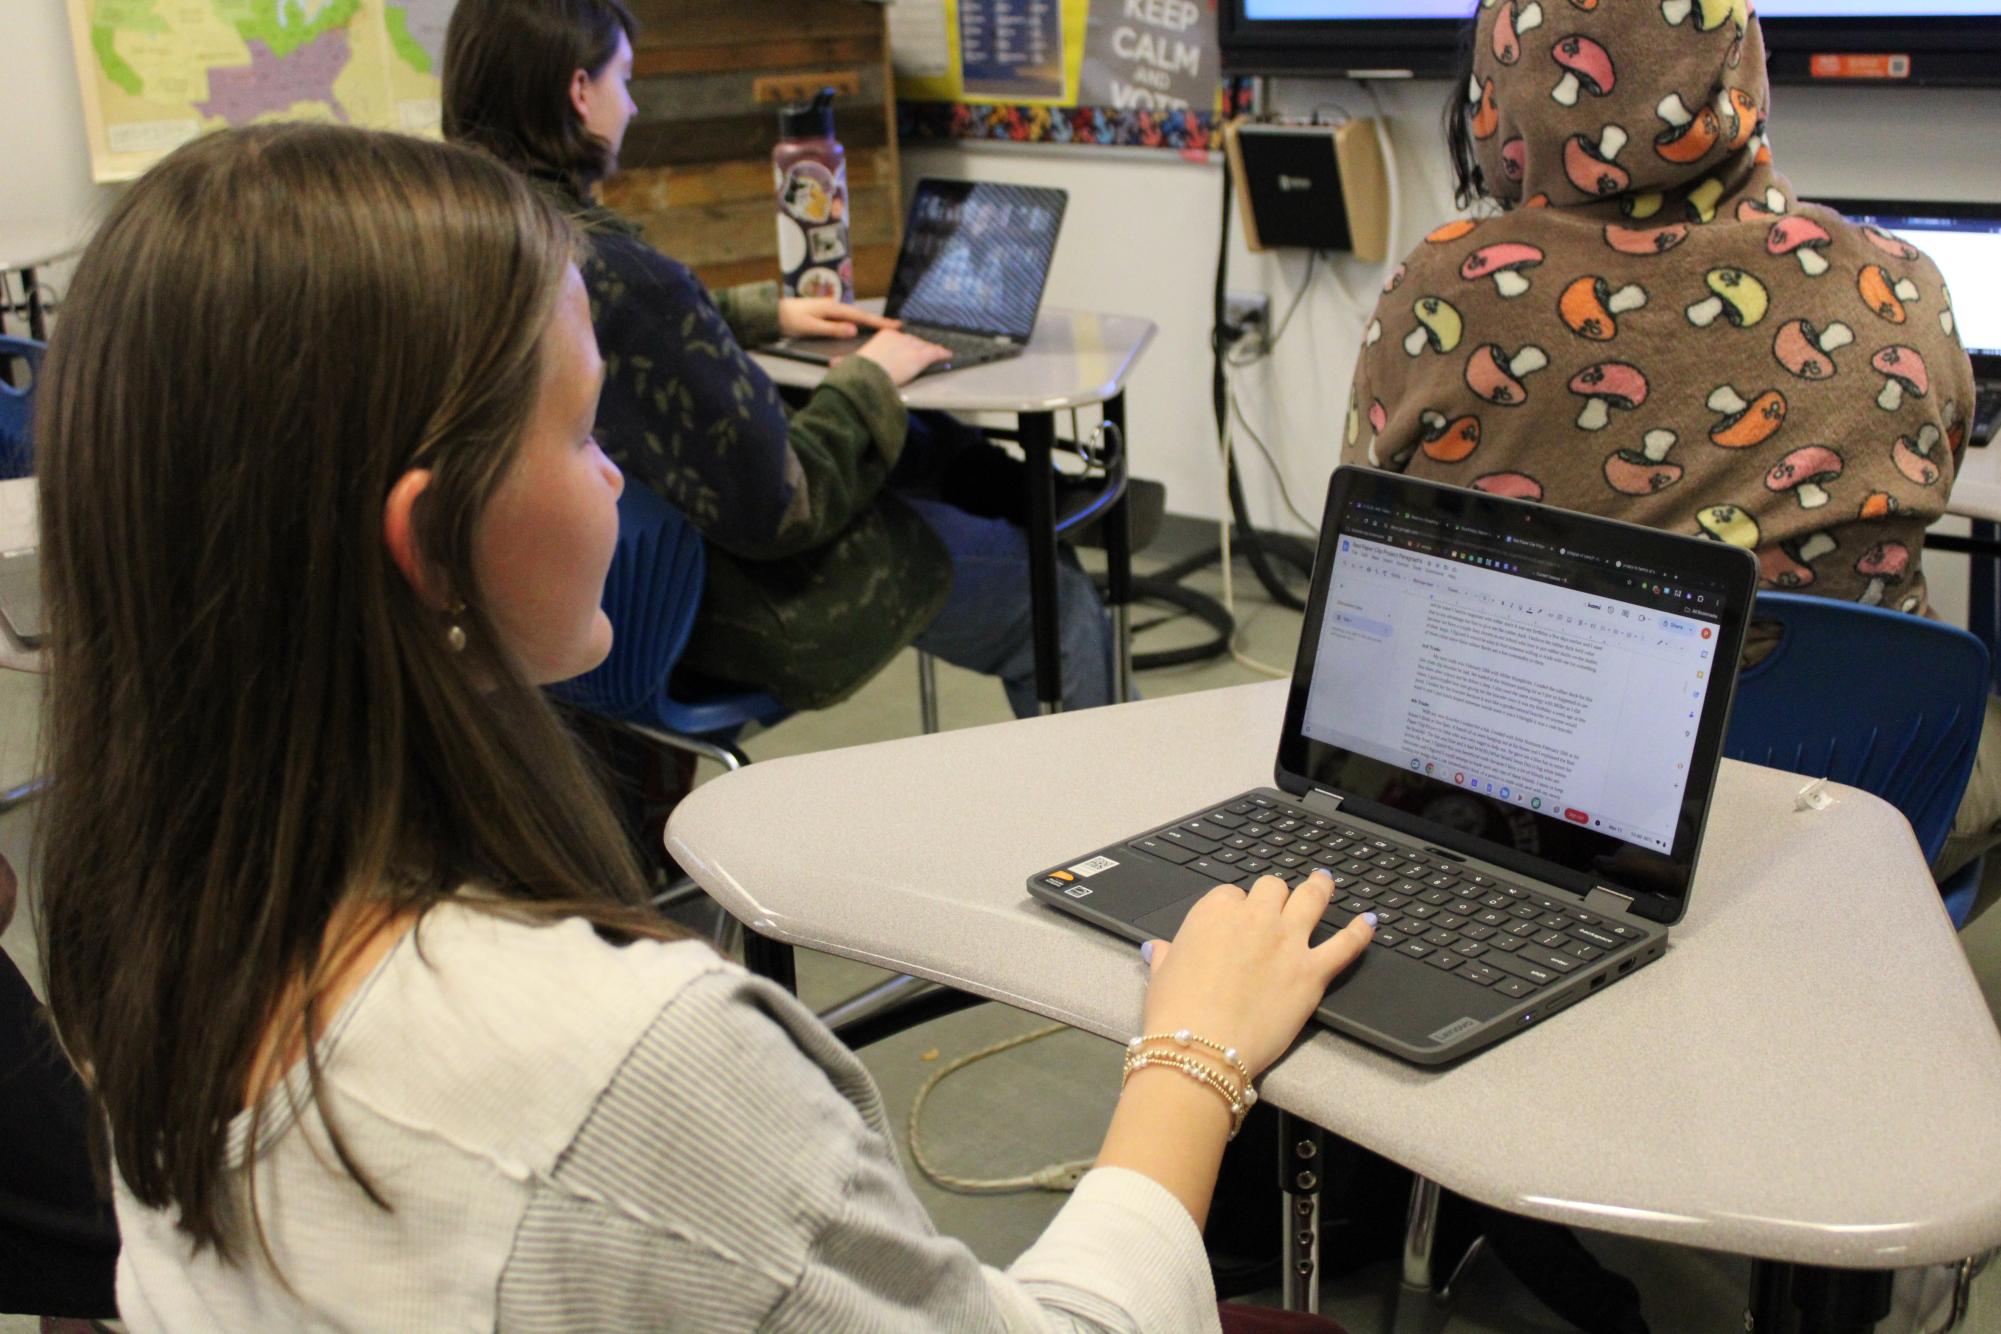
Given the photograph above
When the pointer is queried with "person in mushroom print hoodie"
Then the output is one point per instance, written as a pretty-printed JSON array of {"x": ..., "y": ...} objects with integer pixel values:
[{"x": 1653, "y": 325}]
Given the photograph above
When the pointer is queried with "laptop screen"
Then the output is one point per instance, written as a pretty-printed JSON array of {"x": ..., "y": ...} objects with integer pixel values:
[
  {"x": 1540, "y": 689},
  {"x": 1964, "y": 240},
  {"x": 976, "y": 256}
]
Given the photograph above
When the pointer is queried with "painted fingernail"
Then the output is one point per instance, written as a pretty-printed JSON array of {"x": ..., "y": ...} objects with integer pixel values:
[
  {"x": 1370, "y": 918},
  {"x": 1323, "y": 871},
  {"x": 1146, "y": 951}
]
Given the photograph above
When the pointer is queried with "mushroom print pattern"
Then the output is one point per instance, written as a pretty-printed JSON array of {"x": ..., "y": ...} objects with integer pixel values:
[
  {"x": 1903, "y": 372},
  {"x": 1642, "y": 318},
  {"x": 1689, "y": 135},
  {"x": 1440, "y": 327},
  {"x": 1507, "y": 265},
  {"x": 1790, "y": 564},
  {"x": 1734, "y": 295},
  {"x": 1809, "y": 352},
  {"x": 1805, "y": 240},
  {"x": 1450, "y": 441},
  {"x": 1646, "y": 470},
  {"x": 1885, "y": 566},
  {"x": 1745, "y": 425},
  {"x": 1591, "y": 309},
  {"x": 1499, "y": 378},
  {"x": 1806, "y": 473},
  {"x": 1885, "y": 295},
  {"x": 1585, "y": 65},
  {"x": 1919, "y": 459},
  {"x": 1729, "y": 523},
  {"x": 1604, "y": 387}
]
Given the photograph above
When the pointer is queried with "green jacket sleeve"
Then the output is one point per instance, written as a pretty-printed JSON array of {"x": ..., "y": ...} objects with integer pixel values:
[{"x": 751, "y": 311}]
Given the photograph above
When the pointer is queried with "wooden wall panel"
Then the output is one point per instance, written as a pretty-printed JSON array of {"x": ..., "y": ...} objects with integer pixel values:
[{"x": 695, "y": 169}]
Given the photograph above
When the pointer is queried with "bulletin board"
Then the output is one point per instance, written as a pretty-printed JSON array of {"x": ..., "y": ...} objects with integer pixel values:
[{"x": 1140, "y": 73}]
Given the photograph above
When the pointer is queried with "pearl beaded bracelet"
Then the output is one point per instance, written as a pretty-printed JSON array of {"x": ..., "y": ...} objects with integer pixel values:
[
  {"x": 1238, "y": 1101},
  {"x": 1182, "y": 1037}
]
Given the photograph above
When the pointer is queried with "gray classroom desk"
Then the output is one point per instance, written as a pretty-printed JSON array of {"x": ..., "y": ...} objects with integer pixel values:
[
  {"x": 1073, "y": 360},
  {"x": 1811, "y": 1075}
]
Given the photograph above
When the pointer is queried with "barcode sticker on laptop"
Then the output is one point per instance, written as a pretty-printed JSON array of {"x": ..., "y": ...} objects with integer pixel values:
[{"x": 1092, "y": 867}]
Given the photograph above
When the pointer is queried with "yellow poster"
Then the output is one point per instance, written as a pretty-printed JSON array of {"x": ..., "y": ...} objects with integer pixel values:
[{"x": 989, "y": 52}]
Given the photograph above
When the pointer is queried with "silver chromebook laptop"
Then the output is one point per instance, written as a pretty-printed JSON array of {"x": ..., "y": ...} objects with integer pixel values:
[
  {"x": 1504, "y": 729},
  {"x": 970, "y": 274}
]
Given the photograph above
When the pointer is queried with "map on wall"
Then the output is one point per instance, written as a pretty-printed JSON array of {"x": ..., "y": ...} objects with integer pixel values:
[{"x": 157, "y": 73}]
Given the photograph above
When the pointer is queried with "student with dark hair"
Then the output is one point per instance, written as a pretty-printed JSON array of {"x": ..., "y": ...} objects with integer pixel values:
[
  {"x": 1646, "y": 321},
  {"x": 351, "y": 951},
  {"x": 839, "y": 533}
]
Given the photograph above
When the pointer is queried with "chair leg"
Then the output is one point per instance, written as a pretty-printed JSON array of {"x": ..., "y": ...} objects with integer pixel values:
[
  {"x": 722, "y": 752},
  {"x": 1962, "y": 1290},
  {"x": 1413, "y": 1309},
  {"x": 884, "y": 995},
  {"x": 927, "y": 692}
]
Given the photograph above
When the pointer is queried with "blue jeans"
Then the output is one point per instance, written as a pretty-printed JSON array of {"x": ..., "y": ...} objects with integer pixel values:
[{"x": 986, "y": 625}]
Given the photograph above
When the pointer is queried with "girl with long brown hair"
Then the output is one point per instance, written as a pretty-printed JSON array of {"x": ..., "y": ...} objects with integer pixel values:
[{"x": 338, "y": 929}]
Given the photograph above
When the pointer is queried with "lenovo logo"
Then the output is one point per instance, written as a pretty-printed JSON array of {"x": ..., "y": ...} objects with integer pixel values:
[
  {"x": 1455, "y": 1029},
  {"x": 1288, "y": 184}
]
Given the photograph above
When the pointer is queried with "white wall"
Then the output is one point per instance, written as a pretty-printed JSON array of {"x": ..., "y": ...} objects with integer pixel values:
[{"x": 44, "y": 157}]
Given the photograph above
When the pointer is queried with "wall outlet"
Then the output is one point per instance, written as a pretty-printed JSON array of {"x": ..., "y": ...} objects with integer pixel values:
[{"x": 1246, "y": 318}]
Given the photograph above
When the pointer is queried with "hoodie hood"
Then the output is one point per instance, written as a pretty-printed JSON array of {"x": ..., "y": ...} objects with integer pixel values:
[{"x": 1639, "y": 109}]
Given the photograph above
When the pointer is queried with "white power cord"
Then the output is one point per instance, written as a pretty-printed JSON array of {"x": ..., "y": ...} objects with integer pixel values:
[
  {"x": 1054, "y": 1177},
  {"x": 1223, "y": 535}
]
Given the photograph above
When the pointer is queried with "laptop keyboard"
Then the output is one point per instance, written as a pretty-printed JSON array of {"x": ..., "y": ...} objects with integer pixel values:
[
  {"x": 1486, "y": 930},
  {"x": 967, "y": 349}
]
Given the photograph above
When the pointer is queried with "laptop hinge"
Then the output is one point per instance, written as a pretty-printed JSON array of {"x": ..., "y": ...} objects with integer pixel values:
[
  {"x": 1321, "y": 803},
  {"x": 1601, "y": 899}
]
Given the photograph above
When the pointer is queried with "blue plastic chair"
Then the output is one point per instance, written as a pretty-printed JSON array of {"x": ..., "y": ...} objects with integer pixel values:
[
  {"x": 17, "y": 406},
  {"x": 651, "y": 596},
  {"x": 1814, "y": 707}
]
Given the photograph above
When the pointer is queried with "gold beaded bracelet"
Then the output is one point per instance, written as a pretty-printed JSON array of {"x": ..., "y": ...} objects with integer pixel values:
[
  {"x": 1182, "y": 1037},
  {"x": 1194, "y": 1068}
]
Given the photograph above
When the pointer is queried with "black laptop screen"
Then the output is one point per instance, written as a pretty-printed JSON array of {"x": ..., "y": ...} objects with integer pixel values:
[
  {"x": 976, "y": 256},
  {"x": 1551, "y": 687}
]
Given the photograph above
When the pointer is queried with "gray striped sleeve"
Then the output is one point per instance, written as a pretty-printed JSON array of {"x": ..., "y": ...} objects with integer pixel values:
[{"x": 738, "y": 1173}]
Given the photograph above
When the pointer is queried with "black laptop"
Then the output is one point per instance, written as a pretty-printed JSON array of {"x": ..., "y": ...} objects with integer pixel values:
[
  {"x": 1504, "y": 729},
  {"x": 970, "y": 275},
  {"x": 1964, "y": 240}
]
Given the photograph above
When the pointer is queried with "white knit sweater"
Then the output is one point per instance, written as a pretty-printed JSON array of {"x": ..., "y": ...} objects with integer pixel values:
[{"x": 574, "y": 1135}]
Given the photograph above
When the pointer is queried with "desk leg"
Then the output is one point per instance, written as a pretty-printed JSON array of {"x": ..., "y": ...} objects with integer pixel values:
[
  {"x": 1038, "y": 443},
  {"x": 1804, "y": 1299},
  {"x": 1413, "y": 1309},
  {"x": 1301, "y": 1157},
  {"x": 770, "y": 959},
  {"x": 1119, "y": 557},
  {"x": 37, "y": 323}
]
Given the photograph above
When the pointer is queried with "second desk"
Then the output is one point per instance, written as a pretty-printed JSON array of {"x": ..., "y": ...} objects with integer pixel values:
[{"x": 1073, "y": 360}]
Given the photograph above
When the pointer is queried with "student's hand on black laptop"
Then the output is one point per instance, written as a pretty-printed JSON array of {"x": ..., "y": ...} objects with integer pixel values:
[
  {"x": 825, "y": 317},
  {"x": 1241, "y": 971},
  {"x": 904, "y": 356}
]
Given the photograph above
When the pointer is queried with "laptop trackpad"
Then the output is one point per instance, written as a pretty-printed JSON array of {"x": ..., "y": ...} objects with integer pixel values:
[
  {"x": 1407, "y": 1001},
  {"x": 1399, "y": 998},
  {"x": 1162, "y": 923}
]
